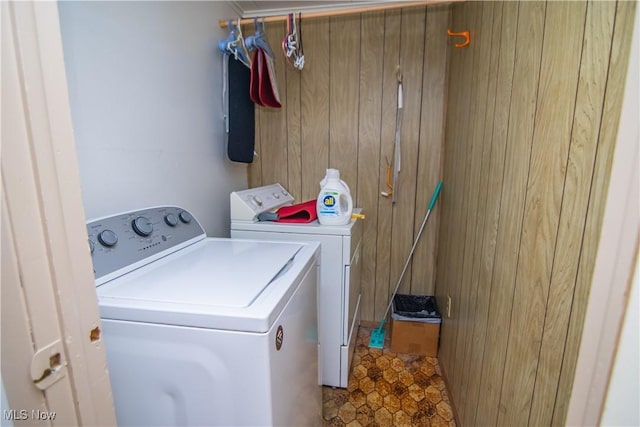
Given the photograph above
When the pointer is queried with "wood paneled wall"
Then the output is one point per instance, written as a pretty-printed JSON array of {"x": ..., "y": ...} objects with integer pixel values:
[
  {"x": 533, "y": 109},
  {"x": 340, "y": 112}
]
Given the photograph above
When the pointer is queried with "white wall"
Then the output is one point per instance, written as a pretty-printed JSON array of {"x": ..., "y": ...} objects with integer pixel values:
[
  {"x": 621, "y": 404},
  {"x": 145, "y": 83}
]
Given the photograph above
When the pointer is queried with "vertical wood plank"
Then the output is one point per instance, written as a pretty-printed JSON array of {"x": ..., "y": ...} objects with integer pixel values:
[
  {"x": 273, "y": 121},
  {"x": 315, "y": 106},
  {"x": 254, "y": 170},
  {"x": 465, "y": 159},
  {"x": 520, "y": 132},
  {"x": 387, "y": 125},
  {"x": 294, "y": 132},
  {"x": 555, "y": 107},
  {"x": 430, "y": 149},
  {"x": 505, "y": 18},
  {"x": 619, "y": 59},
  {"x": 370, "y": 107},
  {"x": 344, "y": 70},
  {"x": 584, "y": 141},
  {"x": 491, "y": 25},
  {"x": 458, "y": 85},
  {"x": 476, "y": 158},
  {"x": 411, "y": 61}
]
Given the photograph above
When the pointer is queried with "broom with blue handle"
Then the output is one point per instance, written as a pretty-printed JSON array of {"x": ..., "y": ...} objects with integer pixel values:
[{"x": 378, "y": 334}]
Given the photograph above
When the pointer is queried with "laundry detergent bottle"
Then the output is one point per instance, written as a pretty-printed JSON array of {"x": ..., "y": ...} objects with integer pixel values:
[{"x": 334, "y": 204}]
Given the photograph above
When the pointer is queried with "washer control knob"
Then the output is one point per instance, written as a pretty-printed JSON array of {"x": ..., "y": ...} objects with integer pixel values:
[
  {"x": 171, "y": 220},
  {"x": 185, "y": 217},
  {"x": 142, "y": 226},
  {"x": 284, "y": 193},
  {"x": 107, "y": 238},
  {"x": 276, "y": 195}
]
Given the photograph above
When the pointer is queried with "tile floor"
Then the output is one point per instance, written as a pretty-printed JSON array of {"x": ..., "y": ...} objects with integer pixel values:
[{"x": 388, "y": 389}]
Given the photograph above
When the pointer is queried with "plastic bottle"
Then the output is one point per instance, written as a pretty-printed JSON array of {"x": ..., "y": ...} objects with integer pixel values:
[{"x": 334, "y": 204}]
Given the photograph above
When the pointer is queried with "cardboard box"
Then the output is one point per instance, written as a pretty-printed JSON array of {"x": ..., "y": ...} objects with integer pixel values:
[{"x": 415, "y": 337}]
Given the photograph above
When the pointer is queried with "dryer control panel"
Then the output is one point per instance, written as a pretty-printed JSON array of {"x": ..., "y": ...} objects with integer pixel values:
[
  {"x": 246, "y": 205},
  {"x": 126, "y": 241}
]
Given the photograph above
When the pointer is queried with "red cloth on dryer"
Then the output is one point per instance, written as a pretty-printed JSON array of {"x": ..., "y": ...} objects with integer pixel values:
[{"x": 300, "y": 213}]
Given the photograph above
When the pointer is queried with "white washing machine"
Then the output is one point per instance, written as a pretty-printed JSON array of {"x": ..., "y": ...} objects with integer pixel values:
[
  {"x": 339, "y": 288},
  {"x": 205, "y": 331}
]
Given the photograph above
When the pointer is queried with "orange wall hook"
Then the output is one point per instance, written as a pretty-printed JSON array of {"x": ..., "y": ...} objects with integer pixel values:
[{"x": 464, "y": 34}]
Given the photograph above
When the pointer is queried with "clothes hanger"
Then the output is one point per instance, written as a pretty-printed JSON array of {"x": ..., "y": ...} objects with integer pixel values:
[
  {"x": 258, "y": 40},
  {"x": 239, "y": 49},
  {"x": 290, "y": 40},
  {"x": 222, "y": 44},
  {"x": 292, "y": 43},
  {"x": 234, "y": 45},
  {"x": 299, "y": 60}
]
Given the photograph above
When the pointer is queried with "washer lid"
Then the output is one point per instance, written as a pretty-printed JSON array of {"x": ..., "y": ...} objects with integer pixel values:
[
  {"x": 221, "y": 273},
  {"x": 222, "y": 284}
]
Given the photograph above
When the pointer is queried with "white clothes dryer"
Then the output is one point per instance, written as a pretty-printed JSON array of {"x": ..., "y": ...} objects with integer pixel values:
[
  {"x": 340, "y": 267},
  {"x": 205, "y": 331}
]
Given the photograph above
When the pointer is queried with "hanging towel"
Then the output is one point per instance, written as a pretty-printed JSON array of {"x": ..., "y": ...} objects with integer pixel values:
[
  {"x": 300, "y": 213},
  {"x": 263, "y": 89},
  {"x": 254, "y": 89},
  {"x": 241, "y": 138},
  {"x": 269, "y": 95}
]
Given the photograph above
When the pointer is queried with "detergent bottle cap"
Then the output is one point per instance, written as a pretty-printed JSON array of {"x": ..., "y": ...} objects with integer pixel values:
[{"x": 333, "y": 174}]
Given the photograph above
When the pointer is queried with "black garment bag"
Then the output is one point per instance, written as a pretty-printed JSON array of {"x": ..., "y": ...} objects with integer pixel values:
[{"x": 241, "y": 141}]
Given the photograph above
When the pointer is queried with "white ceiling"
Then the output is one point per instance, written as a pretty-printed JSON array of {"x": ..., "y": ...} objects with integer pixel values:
[{"x": 250, "y": 9}]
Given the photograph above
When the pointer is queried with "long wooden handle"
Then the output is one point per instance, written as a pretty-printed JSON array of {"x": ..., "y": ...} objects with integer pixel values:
[{"x": 339, "y": 12}]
